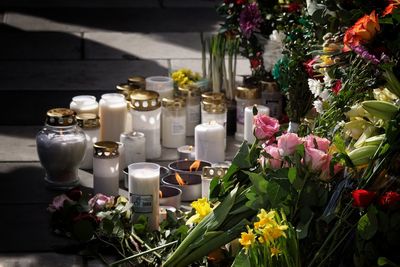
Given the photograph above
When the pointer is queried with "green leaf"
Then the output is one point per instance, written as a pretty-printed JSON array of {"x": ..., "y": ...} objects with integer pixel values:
[
  {"x": 107, "y": 225},
  {"x": 259, "y": 182},
  {"x": 292, "y": 174},
  {"x": 241, "y": 158},
  {"x": 339, "y": 143},
  {"x": 382, "y": 261},
  {"x": 306, "y": 216},
  {"x": 277, "y": 192},
  {"x": 241, "y": 260},
  {"x": 368, "y": 225}
]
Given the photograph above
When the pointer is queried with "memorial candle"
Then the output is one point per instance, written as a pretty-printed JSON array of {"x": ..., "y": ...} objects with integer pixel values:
[
  {"x": 163, "y": 85},
  {"x": 209, "y": 142},
  {"x": 248, "y": 121},
  {"x": 112, "y": 114},
  {"x": 90, "y": 125},
  {"x": 144, "y": 187},
  {"x": 173, "y": 122},
  {"x": 84, "y": 104}
]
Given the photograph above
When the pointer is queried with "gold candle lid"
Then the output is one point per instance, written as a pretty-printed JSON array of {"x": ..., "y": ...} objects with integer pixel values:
[
  {"x": 126, "y": 89},
  {"x": 212, "y": 96},
  {"x": 137, "y": 81},
  {"x": 211, "y": 172},
  {"x": 105, "y": 149},
  {"x": 214, "y": 107},
  {"x": 61, "y": 117},
  {"x": 88, "y": 120},
  {"x": 175, "y": 103},
  {"x": 270, "y": 87},
  {"x": 248, "y": 92},
  {"x": 144, "y": 100},
  {"x": 189, "y": 91}
]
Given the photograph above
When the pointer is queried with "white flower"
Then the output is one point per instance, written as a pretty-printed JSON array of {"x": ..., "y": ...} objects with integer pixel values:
[
  {"x": 328, "y": 80},
  {"x": 324, "y": 95},
  {"x": 315, "y": 87},
  {"x": 318, "y": 106},
  {"x": 273, "y": 50}
]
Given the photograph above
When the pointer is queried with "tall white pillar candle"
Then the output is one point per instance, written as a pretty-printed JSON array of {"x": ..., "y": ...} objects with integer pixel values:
[
  {"x": 163, "y": 85},
  {"x": 112, "y": 114},
  {"x": 209, "y": 142},
  {"x": 192, "y": 96},
  {"x": 144, "y": 187},
  {"x": 135, "y": 147},
  {"x": 173, "y": 122},
  {"x": 106, "y": 168},
  {"x": 90, "y": 125},
  {"x": 248, "y": 121},
  {"x": 84, "y": 104}
]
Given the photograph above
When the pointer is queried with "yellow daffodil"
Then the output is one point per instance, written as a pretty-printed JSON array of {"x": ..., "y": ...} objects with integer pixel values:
[
  {"x": 327, "y": 60},
  {"x": 247, "y": 238},
  {"x": 265, "y": 219},
  {"x": 274, "y": 231},
  {"x": 202, "y": 208},
  {"x": 275, "y": 251}
]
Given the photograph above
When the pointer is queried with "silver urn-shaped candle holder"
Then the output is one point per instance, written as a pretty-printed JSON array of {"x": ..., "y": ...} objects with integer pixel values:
[{"x": 61, "y": 146}]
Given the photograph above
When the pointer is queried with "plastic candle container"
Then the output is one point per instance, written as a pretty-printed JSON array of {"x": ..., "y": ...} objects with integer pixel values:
[
  {"x": 112, "y": 114},
  {"x": 163, "y": 85},
  {"x": 84, "y": 104},
  {"x": 173, "y": 122},
  {"x": 192, "y": 96},
  {"x": 91, "y": 126},
  {"x": 209, "y": 142}
]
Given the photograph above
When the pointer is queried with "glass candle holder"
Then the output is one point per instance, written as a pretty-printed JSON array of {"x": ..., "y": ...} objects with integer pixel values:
[
  {"x": 84, "y": 104},
  {"x": 209, "y": 142},
  {"x": 163, "y": 85},
  {"x": 146, "y": 113},
  {"x": 208, "y": 174},
  {"x": 144, "y": 187},
  {"x": 135, "y": 147},
  {"x": 192, "y": 96},
  {"x": 106, "y": 168},
  {"x": 245, "y": 96},
  {"x": 248, "y": 121},
  {"x": 137, "y": 81},
  {"x": 61, "y": 147},
  {"x": 272, "y": 98},
  {"x": 173, "y": 122},
  {"x": 90, "y": 124},
  {"x": 112, "y": 112}
]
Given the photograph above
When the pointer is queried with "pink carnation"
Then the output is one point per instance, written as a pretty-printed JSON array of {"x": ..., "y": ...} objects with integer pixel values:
[
  {"x": 316, "y": 159},
  {"x": 317, "y": 142},
  {"x": 288, "y": 142},
  {"x": 265, "y": 127}
]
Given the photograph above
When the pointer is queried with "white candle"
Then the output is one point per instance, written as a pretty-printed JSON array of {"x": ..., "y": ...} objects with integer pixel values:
[
  {"x": 186, "y": 152},
  {"x": 192, "y": 96},
  {"x": 209, "y": 142},
  {"x": 173, "y": 122},
  {"x": 90, "y": 124},
  {"x": 144, "y": 187},
  {"x": 248, "y": 121},
  {"x": 122, "y": 161},
  {"x": 135, "y": 147},
  {"x": 106, "y": 168},
  {"x": 84, "y": 104},
  {"x": 112, "y": 116},
  {"x": 163, "y": 85}
]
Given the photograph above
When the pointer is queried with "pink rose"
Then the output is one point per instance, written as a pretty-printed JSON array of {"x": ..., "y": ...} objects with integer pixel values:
[
  {"x": 275, "y": 162},
  {"x": 288, "y": 142},
  {"x": 317, "y": 142},
  {"x": 316, "y": 159},
  {"x": 58, "y": 202},
  {"x": 265, "y": 127},
  {"x": 100, "y": 202}
]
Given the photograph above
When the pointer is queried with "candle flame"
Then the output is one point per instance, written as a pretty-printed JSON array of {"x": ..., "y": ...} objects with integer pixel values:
[
  {"x": 160, "y": 194},
  {"x": 179, "y": 179},
  {"x": 195, "y": 166}
]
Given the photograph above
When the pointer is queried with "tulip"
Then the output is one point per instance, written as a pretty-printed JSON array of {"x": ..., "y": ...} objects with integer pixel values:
[{"x": 362, "y": 198}]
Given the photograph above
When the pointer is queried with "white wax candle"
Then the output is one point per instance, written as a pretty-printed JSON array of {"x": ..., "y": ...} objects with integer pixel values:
[
  {"x": 186, "y": 152},
  {"x": 84, "y": 104},
  {"x": 219, "y": 118},
  {"x": 163, "y": 85},
  {"x": 144, "y": 187},
  {"x": 135, "y": 147},
  {"x": 173, "y": 128},
  {"x": 92, "y": 136},
  {"x": 248, "y": 121},
  {"x": 106, "y": 175},
  {"x": 209, "y": 142},
  {"x": 112, "y": 114}
]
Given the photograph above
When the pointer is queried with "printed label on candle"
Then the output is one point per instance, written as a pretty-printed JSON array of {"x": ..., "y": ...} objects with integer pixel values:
[
  {"x": 178, "y": 128},
  {"x": 142, "y": 203},
  {"x": 194, "y": 113}
]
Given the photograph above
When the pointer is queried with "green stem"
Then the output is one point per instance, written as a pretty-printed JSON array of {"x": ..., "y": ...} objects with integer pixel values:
[
  {"x": 142, "y": 253},
  {"x": 144, "y": 244}
]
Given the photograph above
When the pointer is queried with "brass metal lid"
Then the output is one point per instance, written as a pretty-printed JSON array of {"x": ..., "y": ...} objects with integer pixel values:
[
  {"x": 211, "y": 172},
  {"x": 60, "y": 117},
  {"x": 189, "y": 91},
  {"x": 174, "y": 103},
  {"x": 88, "y": 120},
  {"x": 126, "y": 89},
  {"x": 105, "y": 149},
  {"x": 248, "y": 92},
  {"x": 215, "y": 107},
  {"x": 270, "y": 87},
  {"x": 144, "y": 100},
  {"x": 137, "y": 81}
]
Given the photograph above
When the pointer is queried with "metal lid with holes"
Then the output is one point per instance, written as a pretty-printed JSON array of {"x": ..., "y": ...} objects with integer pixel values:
[
  {"x": 214, "y": 107},
  {"x": 105, "y": 149},
  {"x": 189, "y": 91},
  {"x": 137, "y": 81},
  {"x": 88, "y": 120},
  {"x": 143, "y": 100},
  {"x": 211, "y": 172},
  {"x": 269, "y": 87},
  {"x": 60, "y": 117},
  {"x": 126, "y": 89},
  {"x": 173, "y": 103},
  {"x": 248, "y": 92},
  {"x": 212, "y": 97}
]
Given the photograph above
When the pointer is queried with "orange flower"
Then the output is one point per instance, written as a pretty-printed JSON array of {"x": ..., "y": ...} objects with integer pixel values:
[
  {"x": 362, "y": 31},
  {"x": 389, "y": 9}
]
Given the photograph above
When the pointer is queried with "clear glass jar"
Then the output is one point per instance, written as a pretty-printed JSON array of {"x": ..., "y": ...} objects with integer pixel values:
[
  {"x": 163, "y": 85},
  {"x": 106, "y": 168},
  {"x": 84, "y": 104},
  {"x": 112, "y": 112},
  {"x": 173, "y": 122},
  {"x": 272, "y": 98},
  {"x": 245, "y": 96},
  {"x": 192, "y": 96},
  {"x": 61, "y": 147},
  {"x": 91, "y": 126},
  {"x": 145, "y": 109}
]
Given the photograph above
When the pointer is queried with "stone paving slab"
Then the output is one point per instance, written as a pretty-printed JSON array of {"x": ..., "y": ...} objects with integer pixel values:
[
  {"x": 141, "y": 45},
  {"x": 190, "y": 3},
  {"x": 114, "y": 19},
  {"x": 40, "y": 46},
  {"x": 79, "y": 3},
  {"x": 74, "y": 75},
  {"x": 40, "y": 259}
]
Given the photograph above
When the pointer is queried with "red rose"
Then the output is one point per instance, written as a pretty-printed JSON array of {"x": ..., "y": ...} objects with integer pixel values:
[
  {"x": 337, "y": 87},
  {"x": 309, "y": 66},
  {"x": 293, "y": 7},
  {"x": 362, "y": 198},
  {"x": 255, "y": 63},
  {"x": 389, "y": 199}
]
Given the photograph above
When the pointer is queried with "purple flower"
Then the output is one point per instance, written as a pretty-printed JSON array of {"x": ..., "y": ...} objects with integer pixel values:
[
  {"x": 365, "y": 54},
  {"x": 250, "y": 19},
  {"x": 100, "y": 202}
]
